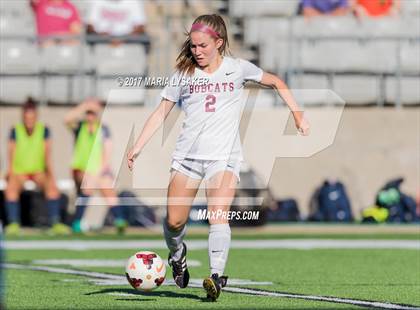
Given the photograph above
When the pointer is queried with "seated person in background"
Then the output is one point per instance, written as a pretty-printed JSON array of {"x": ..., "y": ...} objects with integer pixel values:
[
  {"x": 91, "y": 162},
  {"x": 116, "y": 18},
  {"x": 311, "y": 8},
  {"x": 29, "y": 158},
  {"x": 56, "y": 17},
  {"x": 376, "y": 8}
]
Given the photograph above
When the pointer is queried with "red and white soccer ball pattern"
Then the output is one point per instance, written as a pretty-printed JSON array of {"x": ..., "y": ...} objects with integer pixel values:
[{"x": 145, "y": 271}]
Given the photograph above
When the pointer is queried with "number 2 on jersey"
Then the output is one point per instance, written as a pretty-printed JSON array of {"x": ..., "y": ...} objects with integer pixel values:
[{"x": 210, "y": 102}]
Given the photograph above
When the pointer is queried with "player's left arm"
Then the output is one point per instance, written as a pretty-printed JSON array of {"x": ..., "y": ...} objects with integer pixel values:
[{"x": 275, "y": 82}]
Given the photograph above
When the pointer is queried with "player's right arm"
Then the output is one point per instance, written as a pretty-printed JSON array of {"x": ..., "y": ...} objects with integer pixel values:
[
  {"x": 75, "y": 115},
  {"x": 152, "y": 124}
]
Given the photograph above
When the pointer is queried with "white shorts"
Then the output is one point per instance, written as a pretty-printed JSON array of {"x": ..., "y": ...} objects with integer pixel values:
[{"x": 199, "y": 168}]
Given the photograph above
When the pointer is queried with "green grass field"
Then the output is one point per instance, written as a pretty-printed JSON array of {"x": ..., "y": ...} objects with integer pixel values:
[{"x": 381, "y": 275}]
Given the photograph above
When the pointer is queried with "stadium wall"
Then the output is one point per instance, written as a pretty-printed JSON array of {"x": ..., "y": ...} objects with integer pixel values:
[{"x": 371, "y": 146}]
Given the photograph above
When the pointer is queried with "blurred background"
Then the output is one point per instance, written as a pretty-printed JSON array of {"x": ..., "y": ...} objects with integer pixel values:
[{"x": 57, "y": 54}]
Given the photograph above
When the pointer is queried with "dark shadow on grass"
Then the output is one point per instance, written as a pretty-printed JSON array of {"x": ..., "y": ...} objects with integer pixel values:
[{"x": 158, "y": 293}]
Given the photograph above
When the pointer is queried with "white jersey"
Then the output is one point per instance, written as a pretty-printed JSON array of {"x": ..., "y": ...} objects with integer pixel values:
[
  {"x": 210, "y": 130},
  {"x": 116, "y": 17}
]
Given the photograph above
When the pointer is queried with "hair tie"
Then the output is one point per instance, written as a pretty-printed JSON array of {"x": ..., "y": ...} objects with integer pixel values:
[{"x": 205, "y": 29}]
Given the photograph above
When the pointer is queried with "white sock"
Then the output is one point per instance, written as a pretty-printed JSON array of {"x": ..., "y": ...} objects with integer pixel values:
[
  {"x": 174, "y": 240},
  {"x": 219, "y": 244}
]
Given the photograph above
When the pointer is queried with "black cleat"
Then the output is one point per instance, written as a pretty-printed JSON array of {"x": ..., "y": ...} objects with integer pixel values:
[
  {"x": 213, "y": 285},
  {"x": 180, "y": 269}
]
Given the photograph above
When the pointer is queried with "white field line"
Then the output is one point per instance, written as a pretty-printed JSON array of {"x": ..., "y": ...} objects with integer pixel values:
[
  {"x": 303, "y": 244},
  {"x": 362, "y": 303}
]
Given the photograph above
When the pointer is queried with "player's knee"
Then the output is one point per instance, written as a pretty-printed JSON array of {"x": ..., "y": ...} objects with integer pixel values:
[
  {"x": 11, "y": 193},
  {"x": 175, "y": 224},
  {"x": 52, "y": 193}
]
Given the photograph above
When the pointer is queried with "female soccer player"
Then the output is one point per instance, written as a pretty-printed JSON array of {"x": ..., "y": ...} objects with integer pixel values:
[
  {"x": 91, "y": 164},
  {"x": 209, "y": 146},
  {"x": 29, "y": 157}
]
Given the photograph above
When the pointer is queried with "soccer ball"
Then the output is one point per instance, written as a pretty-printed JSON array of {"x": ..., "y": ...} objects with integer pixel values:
[{"x": 145, "y": 271}]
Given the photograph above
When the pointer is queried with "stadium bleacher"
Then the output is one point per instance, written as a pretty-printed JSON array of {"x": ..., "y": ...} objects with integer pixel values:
[
  {"x": 66, "y": 89},
  {"x": 21, "y": 25},
  {"x": 339, "y": 50},
  {"x": 66, "y": 59},
  {"x": 19, "y": 9},
  {"x": 15, "y": 90},
  {"x": 82, "y": 7},
  {"x": 407, "y": 88},
  {"x": 124, "y": 59},
  {"x": 58, "y": 73},
  {"x": 411, "y": 8},
  {"x": 245, "y": 8},
  {"x": 19, "y": 57}
]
